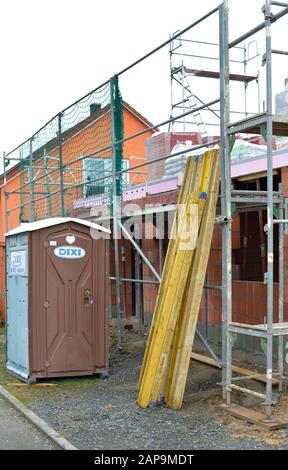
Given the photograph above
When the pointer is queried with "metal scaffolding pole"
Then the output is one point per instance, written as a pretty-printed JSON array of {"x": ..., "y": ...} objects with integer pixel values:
[
  {"x": 138, "y": 287},
  {"x": 270, "y": 254},
  {"x": 116, "y": 213},
  {"x": 138, "y": 249},
  {"x": 225, "y": 198},
  {"x": 31, "y": 178},
  {"x": 281, "y": 301},
  {"x": 62, "y": 204},
  {"x": 268, "y": 329}
]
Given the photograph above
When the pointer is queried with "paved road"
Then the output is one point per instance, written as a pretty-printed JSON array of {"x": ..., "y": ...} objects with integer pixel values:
[{"x": 18, "y": 434}]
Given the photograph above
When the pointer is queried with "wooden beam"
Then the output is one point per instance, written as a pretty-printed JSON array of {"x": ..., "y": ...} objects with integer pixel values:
[
  {"x": 188, "y": 182},
  {"x": 186, "y": 326},
  {"x": 172, "y": 286},
  {"x": 258, "y": 419},
  {"x": 239, "y": 370}
]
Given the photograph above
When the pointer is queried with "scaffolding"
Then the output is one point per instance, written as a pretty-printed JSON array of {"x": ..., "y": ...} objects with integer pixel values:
[
  {"x": 268, "y": 125},
  {"x": 191, "y": 106},
  {"x": 183, "y": 72}
]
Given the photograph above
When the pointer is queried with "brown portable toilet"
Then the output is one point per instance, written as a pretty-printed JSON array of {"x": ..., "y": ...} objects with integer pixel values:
[{"x": 57, "y": 298}]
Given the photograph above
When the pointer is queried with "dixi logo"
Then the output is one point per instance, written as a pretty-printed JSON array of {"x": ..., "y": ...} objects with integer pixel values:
[
  {"x": 17, "y": 259},
  {"x": 69, "y": 252}
]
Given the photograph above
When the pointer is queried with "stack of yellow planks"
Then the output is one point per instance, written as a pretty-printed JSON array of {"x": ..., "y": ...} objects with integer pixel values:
[{"x": 167, "y": 356}]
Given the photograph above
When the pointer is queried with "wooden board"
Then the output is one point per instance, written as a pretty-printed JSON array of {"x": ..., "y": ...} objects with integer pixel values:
[
  {"x": 178, "y": 260},
  {"x": 32, "y": 385},
  {"x": 186, "y": 326},
  {"x": 216, "y": 74},
  {"x": 254, "y": 417},
  {"x": 173, "y": 284},
  {"x": 188, "y": 183},
  {"x": 187, "y": 254},
  {"x": 239, "y": 370}
]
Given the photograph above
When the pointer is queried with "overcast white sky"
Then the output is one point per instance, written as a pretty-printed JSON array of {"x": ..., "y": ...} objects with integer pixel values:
[{"x": 55, "y": 51}]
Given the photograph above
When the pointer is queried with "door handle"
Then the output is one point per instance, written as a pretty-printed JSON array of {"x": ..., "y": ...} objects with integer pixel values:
[{"x": 87, "y": 296}]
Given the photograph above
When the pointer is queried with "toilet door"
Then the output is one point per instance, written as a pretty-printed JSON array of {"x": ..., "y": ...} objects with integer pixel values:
[{"x": 69, "y": 304}]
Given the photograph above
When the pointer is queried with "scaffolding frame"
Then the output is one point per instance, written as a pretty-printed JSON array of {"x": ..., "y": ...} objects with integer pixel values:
[
  {"x": 180, "y": 76},
  {"x": 274, "y": 125},
  {"x": 255, "y": 124},
  {"x": 269, "y": 125}
]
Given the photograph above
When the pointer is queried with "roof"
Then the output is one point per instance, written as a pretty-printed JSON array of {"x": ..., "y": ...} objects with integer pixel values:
[
  {"x": 40, "y": 224},
  {"x": 139, "y": 116},
  {"x": 259, "y": 164}
]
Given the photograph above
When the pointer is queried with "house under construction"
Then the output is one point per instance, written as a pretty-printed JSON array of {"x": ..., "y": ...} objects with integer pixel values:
[{"x": 70, "y": 168}]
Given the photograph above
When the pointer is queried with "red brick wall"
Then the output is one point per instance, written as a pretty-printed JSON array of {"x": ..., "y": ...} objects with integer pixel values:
[
  {"x": 284, "y": 181},
  {"x": 125, "y": 250},
  {"x": 249, "y": 297},
  {"x": 150, "y": 291}
]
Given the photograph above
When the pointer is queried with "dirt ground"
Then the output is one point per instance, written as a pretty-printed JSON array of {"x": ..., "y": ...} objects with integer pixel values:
[{"x": 103, "y": 414}]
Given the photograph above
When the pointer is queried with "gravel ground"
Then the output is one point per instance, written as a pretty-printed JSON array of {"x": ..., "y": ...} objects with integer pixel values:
[{"x": 106, "y": 416}]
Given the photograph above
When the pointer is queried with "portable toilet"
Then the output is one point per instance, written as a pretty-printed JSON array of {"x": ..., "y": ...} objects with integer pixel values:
[{"x": 57, "y": 298}]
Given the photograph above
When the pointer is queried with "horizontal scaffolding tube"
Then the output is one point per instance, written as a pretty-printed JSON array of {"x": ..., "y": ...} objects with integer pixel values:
[
  {"x": 164, "y": 44},
  {"x": 279, "y": 4},
  {"x": 140, "y": 165},
  {"x": 277, "y": 51},
  {"x": 213, "y": 287},
  {"x": 257, "y": 28},
  {"x": 248, "y": 391},
  {"x": 239, "y": 192},
  {"x": 163, "y": 123},
  {"x": 137, "y": 281}
]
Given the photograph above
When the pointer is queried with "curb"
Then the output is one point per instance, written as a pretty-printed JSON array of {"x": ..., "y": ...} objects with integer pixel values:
[{"x": 38, "y": 422}]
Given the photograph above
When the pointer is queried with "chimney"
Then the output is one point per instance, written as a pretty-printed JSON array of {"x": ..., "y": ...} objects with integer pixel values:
[{"x": 95, "y": 108}]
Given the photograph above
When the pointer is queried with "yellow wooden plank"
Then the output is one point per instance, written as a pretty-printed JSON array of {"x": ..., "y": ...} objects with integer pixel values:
[
  {"x": 157, "y": 358},
  {"x": 187, "y": 322},
  {"x": 178, "y": 327},
  {"x": 191, "y": 175},
  {"x": 175, "y": 261},
  {"x": 188, "y": 183},
  {"x": 181, "y": 280}
]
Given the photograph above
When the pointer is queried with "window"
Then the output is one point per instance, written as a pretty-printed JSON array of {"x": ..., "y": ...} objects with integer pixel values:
[{"x": 97, "y": 168}]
